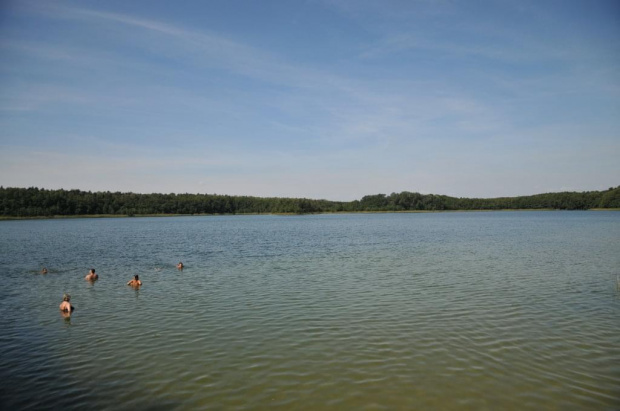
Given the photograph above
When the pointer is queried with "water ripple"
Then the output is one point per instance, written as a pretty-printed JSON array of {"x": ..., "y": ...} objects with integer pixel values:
[{"x": 449, "y": 311}]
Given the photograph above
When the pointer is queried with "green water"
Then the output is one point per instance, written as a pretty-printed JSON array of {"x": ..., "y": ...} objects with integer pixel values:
[{"x": 505, "y": 310}]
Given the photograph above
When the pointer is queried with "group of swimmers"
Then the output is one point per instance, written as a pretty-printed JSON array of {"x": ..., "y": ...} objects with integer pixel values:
[{"x": 65, "y": 306}]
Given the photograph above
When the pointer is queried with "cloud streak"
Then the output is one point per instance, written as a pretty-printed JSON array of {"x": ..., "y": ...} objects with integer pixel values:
[{"x": 421, "y": 98}]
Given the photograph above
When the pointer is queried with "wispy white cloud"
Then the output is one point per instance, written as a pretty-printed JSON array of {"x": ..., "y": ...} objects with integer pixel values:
[
  {"x": 213, "y": 49},
  {"x": 168, "y": 108},
  {"x": 34, "y": 96},
  {"x": 351, "y": 107},
  {"x": 521, "y": 52}
]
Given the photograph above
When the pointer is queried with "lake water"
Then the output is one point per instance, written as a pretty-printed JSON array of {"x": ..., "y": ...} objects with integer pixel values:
[{"x": 493, "y": 310}]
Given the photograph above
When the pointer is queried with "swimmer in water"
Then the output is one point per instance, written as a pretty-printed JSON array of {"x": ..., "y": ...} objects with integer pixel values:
[
  {"x": 65, "y": 305},
  {"x": 135, "y": 282},
  {"x": 91, "y": 275},
  {"x": 44, "y": 270},
  {"x": 180, "y": 266}
]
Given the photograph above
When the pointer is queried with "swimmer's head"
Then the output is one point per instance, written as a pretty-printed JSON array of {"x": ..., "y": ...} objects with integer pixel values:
[
  {"x": 92, "y": 270},
  {"x": 135, "y": 277},
  {"x": 66, "y": 297},
  {"x": 44, "y": 270}
]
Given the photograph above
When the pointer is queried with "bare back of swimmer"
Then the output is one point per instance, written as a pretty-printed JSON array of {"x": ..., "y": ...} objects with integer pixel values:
[
  {"x": 135, "y": 282},
  {"x": 91, "y": 276},
  {"x": 65, "y": 305}
]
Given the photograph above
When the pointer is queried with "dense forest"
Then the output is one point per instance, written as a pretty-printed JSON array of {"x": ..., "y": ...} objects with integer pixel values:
[{"x": 35, "y": 202}]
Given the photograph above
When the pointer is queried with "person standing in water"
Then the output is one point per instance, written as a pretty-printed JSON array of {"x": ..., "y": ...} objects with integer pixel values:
[
  {"x": 91, "y": 275},
  {"x": 135, "y": 282},
  {"x": 65, "y": 305}
]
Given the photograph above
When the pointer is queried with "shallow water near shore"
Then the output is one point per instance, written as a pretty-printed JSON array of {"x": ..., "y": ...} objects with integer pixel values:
[{"x": 504, "y": 310}]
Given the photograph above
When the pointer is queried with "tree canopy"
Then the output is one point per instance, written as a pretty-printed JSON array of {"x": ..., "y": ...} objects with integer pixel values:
[{"x": 36, "y": 202}]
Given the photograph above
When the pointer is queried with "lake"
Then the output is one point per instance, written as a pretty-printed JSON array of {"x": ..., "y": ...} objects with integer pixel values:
[{"x": 478, "y": 310}]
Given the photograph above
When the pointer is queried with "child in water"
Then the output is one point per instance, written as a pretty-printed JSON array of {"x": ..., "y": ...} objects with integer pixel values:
[
  {"x": 135, "y": 282},
  {"x": 65, "y": 305}
]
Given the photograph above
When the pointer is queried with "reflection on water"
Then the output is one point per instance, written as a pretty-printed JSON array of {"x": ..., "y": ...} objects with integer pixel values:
[{"x": 395, "y": 311}]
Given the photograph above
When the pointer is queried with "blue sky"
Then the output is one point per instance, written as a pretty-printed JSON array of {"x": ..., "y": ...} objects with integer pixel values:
[{"x": 327, "y": 99}]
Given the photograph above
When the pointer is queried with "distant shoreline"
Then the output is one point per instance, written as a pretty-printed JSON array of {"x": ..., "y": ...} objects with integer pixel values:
[
  {"x": 69, "y": 217},
  {"x": 35, "y": 203}
]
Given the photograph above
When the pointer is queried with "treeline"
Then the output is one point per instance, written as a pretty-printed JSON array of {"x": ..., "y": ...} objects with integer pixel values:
[
  {"x": 31, "y": 202},
  {"x": 558, "y": 201},
  {"x": 35, "y": 202}
]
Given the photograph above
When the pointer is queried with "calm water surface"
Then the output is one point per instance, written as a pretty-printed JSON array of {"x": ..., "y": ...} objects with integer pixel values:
[{"x": 503, "y": 310}]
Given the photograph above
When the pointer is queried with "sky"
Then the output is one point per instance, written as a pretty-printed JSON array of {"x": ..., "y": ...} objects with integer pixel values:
[{"x": 324, "y": 99}]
